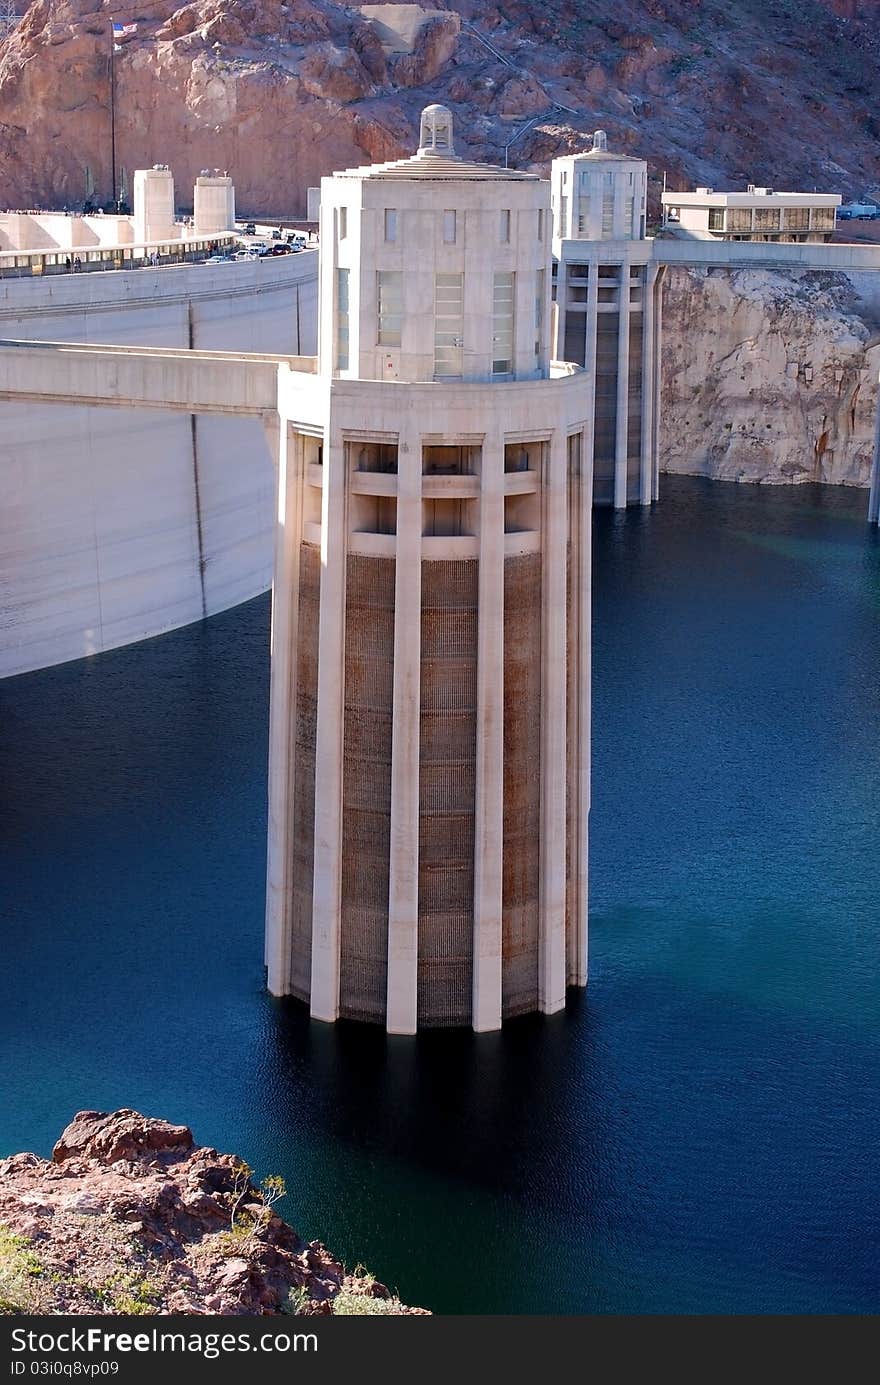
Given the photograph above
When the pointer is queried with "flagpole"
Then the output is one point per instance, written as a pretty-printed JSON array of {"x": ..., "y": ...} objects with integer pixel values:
[{"x": 113, "y": 116}]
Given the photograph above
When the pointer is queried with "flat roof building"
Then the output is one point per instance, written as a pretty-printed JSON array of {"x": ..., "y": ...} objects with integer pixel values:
[{"x": 758, "y": 214}]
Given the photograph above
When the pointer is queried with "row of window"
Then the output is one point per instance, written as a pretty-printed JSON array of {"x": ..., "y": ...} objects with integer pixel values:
[
  {"x": 448, "y": 319},
  {"x": 771, "y": 218},
  {"x": 450, "y": 225}
]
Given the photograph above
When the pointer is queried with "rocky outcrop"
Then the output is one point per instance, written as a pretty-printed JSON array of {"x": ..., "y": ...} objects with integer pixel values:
[
  {"x": 131, "y": 1216},
  {"x": 768, "y": 376},
  {"x": 280, "y": 92}
]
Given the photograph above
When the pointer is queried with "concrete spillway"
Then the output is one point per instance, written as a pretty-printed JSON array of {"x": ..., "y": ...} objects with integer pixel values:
[{"x": 117, "y": 524}]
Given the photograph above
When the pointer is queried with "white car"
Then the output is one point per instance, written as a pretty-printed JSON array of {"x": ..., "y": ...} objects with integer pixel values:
[{"x": 218, "y": 259}]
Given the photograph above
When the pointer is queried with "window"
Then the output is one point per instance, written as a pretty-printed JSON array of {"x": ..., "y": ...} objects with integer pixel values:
[
  {"x": 540, "y": 289},
  {"x": 563, "y": 216},
  {"x": 502, "y": 324},
  {"x": 766, "y": 218},
  {"x": 448, "y": 325},
  {"x": 343, "y": 222},
  {"x": 608, "y": 206},
  {"x": 584, "y": 214},
  {"x": 389, "y": 296},
  {"x": 540, "y": 223},
  {"x": 739, "y": 218},
  {"x": 505, "y": 227},
  {"x": 390, "y": 224},
  {"x": 797, "y": 218},
  {"x": 449, "y": 228},
  {"x": 823, "y": 218},
  {"x": 342, "y": 319},
  {"x": 716, "y": 218}
]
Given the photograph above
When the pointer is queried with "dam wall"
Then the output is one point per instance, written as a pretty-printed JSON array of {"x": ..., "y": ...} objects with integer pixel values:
[{"x": 118, "y": 524}]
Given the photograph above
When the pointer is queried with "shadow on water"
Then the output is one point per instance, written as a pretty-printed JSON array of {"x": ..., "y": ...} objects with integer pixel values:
[{"x": 696, "y": 1133}]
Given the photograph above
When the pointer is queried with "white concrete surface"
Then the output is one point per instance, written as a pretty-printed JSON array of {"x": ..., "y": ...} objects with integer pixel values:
[{"x": 101, "y": 516}]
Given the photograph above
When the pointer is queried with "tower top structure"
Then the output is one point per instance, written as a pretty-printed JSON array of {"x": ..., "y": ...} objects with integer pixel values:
[
  {"x": 435, "y": 267},
  {"x": 599, "y": 194}
]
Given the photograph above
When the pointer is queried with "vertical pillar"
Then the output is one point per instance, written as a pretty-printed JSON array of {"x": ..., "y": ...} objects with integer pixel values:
[
  {"x": 874, "y": 497},
  {"x": 579, "y": 655},
  {"x": 282, "y": 704},
  {"x": 489, "y": 796},
  {"x": 622, "y": 440},
  {"x": 590, "y": 379},
  {"x": 657, "y": 369},
  {"x": 551, "y": 939},
  {"x": 558, "y": 351},
  {"x": 403, "y": 884},
  {"x": 327, "y": 889},
  {"x": 646, "y": 465}
]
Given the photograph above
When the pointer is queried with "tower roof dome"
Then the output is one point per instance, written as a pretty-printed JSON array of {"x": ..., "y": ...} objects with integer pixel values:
[{"x": 435, "y": 131}]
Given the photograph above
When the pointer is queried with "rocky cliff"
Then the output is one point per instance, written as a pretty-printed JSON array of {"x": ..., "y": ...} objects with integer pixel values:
[
  {"x": 131, "y": 1216},
  {"x": 778, "y": 92},
  {"x": 769, "y": 376}
]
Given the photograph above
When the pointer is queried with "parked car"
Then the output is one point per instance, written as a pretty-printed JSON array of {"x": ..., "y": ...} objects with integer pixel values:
[
  {"x": 280, "y": 249},
  {"x": 218, "y": 259},
  {"x": 250, "y": 229}
]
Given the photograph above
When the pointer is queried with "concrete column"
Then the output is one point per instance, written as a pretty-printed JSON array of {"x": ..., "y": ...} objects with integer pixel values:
[
  {"x": 874, "y": 498},
  {"x": 646, "y": 468},
  {"x": 590, "y": 358},
  {"x": 326, "y": 898},
  {"x": 551, "y": 940},
  {"x": 657, "y": 370},
  {"x": 579, "y": 653},
  {"x": 403, "y": 885},
  {"x": 558, "y": 350},
  {"x": 282, "y": 704},
  {"x": 489, "y": 800},
  {"x": 621, "y": 444}
]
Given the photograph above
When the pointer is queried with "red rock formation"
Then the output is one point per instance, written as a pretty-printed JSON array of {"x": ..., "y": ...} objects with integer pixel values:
[
  {"x": 131, "y": 1215},
  {"x": 779, "y": 92}
]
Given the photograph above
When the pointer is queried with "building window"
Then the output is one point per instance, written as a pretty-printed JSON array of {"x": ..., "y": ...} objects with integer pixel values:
[
  {"x": 797, "y": 218},
  {"x": 823, "y": 218},
  {"x": 389, "y": 296},
  {"x": 502, "y": 324},
  {"x": 505, "y": 227},
  {"x": 716, "y": 218},
  {"x": 563, "y": 216},
  {"x": 448, "y": 325},
  {"x": 390, "y": 224},
  {"x": 608, "y": 206},
  {"x": 766, "y": 218},
  {"x": 739, "y": 218},
  {"x": 540, "y": 290},
  {"x": 584, "y": 214},
  {"x": 342, "y": 319},
  {"x": 540, "y": 223},
  {"x": 449, "y": 228},
  {"x": 343, "y": 222}
]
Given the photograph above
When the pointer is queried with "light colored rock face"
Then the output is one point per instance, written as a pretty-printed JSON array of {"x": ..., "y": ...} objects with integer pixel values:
[
  {"x": 768, "y": 376},
  {"x": 282, "y": 93}
]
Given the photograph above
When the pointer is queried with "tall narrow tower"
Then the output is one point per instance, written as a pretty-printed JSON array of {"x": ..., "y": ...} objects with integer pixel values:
[
  {"x": 429, "y": 763},
  {"x": 607, "y": 315}
]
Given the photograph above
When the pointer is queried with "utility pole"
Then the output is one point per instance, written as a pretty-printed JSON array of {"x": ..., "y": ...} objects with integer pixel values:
[{"x": 534, "y": 120}]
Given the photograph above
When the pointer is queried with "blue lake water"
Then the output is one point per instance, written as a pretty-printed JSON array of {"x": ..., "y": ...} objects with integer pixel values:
[{"x": 697, "y": 1133}]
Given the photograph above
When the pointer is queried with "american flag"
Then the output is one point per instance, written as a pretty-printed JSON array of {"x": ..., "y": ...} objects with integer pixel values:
[{"x": 121, "y": 30}]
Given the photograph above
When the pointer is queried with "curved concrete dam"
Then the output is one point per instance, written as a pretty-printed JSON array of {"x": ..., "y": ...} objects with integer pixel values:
[{"x": 119, "y": 524}]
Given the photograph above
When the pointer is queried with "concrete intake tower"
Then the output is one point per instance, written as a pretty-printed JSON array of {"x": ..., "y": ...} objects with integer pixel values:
[{"x": 429, "y": 760}]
